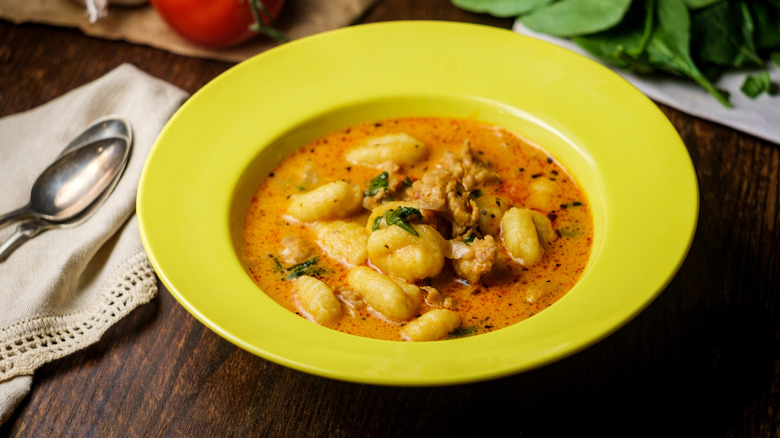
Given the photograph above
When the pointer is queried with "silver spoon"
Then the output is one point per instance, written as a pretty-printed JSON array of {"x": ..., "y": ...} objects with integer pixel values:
[
  {"x": 67, "y": 191},
  {"x": 106, "y": 127}
]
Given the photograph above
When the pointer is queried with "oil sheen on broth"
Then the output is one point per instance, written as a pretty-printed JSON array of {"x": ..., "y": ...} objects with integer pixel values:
[{"x": 416, "y": 229}]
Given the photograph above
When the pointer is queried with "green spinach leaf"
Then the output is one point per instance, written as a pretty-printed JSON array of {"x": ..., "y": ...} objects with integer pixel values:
[
  {"x": 623, "y": 44},
  {"x": 309, "y": 267},
  {"x": 775, "y": 57},
  {"x": 669, "y": 46},
  {"x": 568, "y": 18},
  {"x": 698, "y": 4},
  {"x": 767, "y": 22},
  {"x": 755, "y": 85},
  {"x": 380, "y": 182},
  {"x": 501, "y": 8},
  {"x": 399, "y": 216},
  {"x": 724, "y": 35}
]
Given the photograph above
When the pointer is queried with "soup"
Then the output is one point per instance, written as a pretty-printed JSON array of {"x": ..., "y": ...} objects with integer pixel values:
[{"x": 417, "y": 229}]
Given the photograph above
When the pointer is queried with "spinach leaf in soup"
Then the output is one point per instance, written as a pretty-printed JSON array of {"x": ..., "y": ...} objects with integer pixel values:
[
  {"x": 399, "y": 216},
  {"x": 379, "y": 183},
  {"x": 309, "y": 267}
]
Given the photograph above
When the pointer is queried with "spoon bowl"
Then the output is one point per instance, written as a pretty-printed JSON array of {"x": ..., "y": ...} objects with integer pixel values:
[
  {"x": 77, "y": 178},
  {"x": 106, "y": 127}
]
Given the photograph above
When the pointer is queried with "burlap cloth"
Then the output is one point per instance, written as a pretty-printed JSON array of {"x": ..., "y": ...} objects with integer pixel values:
[{"x": 142, "y": 25}]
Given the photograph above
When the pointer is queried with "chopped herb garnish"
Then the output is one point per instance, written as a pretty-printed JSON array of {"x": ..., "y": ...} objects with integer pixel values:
[
  {"x": 375, "y": 226},
  {"x": 408, "y": 181},
  {"x": 462, "y": 332},
  {"x": 468, "y": 240},
  {"x": 571, "y": 204},
  {"x": 399, "y": 217},
  {"x": 277, "y": 264},
  {"x": 306, "y": 268},
  {"x": 567, "y": 232},
  {"x": 380, "y": 182}
]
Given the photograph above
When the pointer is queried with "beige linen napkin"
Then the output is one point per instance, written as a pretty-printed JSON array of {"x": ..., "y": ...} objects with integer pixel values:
[
  {"x": 142, "y": 25},
  {"x": 60, "y": 291}
]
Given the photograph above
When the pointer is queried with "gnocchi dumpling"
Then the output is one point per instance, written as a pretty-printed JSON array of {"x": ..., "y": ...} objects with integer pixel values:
[
  {"x": 316, "y": 300},
  {"x": 491, "y": 210},
  {"x": 399, "y": 253},
  {"x": 338, "y": 199},
  {"x": 343, "y": 241},
  {"x": 543, "y": 194},
  {"x": 412, "y": 290},
  {"x": 526, "y": 234},
  {"x": 431, "y": 325},
  {"x": 399, "y": 149},
  {"x": 383, "y": 293}
]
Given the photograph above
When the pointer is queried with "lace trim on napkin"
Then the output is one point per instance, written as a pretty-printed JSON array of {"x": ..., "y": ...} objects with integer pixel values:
[{"x": 28, "y": 344}]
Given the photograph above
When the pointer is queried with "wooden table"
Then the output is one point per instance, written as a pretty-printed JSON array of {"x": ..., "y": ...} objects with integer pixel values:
[{"x": 704, "y": 357}]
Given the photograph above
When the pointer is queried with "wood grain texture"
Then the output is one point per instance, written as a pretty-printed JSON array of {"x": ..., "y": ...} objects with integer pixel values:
[{"x": 702, "y": 358}]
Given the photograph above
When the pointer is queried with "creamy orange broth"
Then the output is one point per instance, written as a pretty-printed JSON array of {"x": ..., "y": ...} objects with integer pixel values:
[{"x": 508, "y": 294}]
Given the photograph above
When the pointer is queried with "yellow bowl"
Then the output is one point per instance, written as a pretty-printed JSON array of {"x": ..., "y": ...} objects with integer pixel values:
[{"x": 213, "y": 153}]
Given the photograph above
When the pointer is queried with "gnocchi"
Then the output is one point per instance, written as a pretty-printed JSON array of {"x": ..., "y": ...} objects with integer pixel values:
[
  {"x": 526, "y": 233},
  {"x": 400, "y": 149},
  {"x": 345, "y": 241},
  {"x": 383, "y": 294},
  {"x": 338, "y": 199},
  {"x": 491, "y": 210},
  {"x": 417, "y": 229},
  {"x": 431, "y": 326},
  {"x": 397, "y": 252},
  {"x": 316, "y": 299}
]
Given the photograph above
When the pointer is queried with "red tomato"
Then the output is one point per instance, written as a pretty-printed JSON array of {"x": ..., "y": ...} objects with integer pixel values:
[{"x": 214, "y": 23}]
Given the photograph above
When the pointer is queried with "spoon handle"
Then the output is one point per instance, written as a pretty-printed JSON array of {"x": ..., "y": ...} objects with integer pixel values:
[
  {"x": 16, "y": 214},
  {"x": 24, "y": 232}
]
